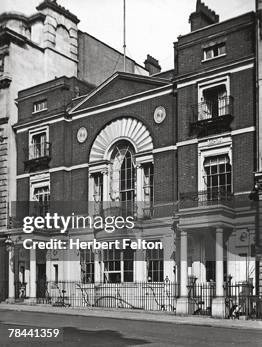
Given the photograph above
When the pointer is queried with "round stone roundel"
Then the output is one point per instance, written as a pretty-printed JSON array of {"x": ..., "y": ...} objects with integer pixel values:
[
  {"x": 159, "y": 114},
  {"x": 81, "y": 135}
]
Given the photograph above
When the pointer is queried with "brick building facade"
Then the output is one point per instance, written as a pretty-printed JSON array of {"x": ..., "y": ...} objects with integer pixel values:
[
  {"x": 216, "y": 139},
  {"x": 178, "y": 155}
]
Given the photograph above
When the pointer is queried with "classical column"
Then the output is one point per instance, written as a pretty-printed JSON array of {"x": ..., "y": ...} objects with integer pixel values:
[
  {"x": 11, "y": 268},
  {"x": 105, "y": 186},
  {"x": 183, "y": 264},
  {"x": 32, "y": 283},
  {"x": 140, "y": 265},
  {"x": 98, "y": 276},
  {"x": 219, "y": 263},
  {"x": 182, "y": 302},
  {"x": 218, "y": 303},
  {"x": 169, "y": 263},
  {"x": 139, "y": 190}
]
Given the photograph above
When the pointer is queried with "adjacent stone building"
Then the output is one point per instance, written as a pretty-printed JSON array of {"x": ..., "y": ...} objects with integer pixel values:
[{"x": 35, "y": 49}]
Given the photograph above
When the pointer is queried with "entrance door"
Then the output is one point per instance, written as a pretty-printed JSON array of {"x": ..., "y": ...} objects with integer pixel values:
[{"x": 41, "y": 281}]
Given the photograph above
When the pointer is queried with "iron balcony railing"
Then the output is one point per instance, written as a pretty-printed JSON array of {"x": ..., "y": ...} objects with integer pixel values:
[
  {"x": 210, "y": 197},
  {"x": 39, "y": 150},
  {"x": 211, "y": 109},
  {"x": 39, "y": 208},
  {"x": 141, "y": 210},
  {"x": 138, "y": 210}
]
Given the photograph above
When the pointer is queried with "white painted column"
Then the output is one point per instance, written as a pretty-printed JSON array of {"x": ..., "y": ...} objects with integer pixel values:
[
  {"x": 11, "y": 267},
  {"x": 139, "y": 190},
  {"x": 218, "y": 303},
  {"x": 32, "y": 283},
  {"x": 98, "y": 266},
  {"x": 140, "y": 274},
  {"x": 106, "y": 198},
  {"x": 168, "y": 246},
  {"x": 91, "y": 208},
  {"x": 182, "y": 302},
  {"x": 219, "y": 263},
  {"x": 183, "y": 264},
  {"x": 105, "y": 186}
]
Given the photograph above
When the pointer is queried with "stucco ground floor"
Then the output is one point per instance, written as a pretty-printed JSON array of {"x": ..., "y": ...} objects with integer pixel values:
[{"x": 189, "y": 271}]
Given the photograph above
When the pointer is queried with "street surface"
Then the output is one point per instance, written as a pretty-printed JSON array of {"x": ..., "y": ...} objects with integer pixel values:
[{"x": 99, "y": 331}]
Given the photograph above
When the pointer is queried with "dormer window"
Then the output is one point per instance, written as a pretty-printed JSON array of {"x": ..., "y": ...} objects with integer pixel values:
[
  {"x": 214, "y": 51},
  {"x": 40, "y": 106}
]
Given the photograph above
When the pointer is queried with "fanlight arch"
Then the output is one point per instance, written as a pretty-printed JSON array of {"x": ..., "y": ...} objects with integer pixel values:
[{"x": 129, "y": 129}]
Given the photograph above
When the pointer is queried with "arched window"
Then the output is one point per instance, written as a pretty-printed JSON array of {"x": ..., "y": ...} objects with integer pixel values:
[
  {"x": 121, "y": 170},
  {"x": 122, "y": 176}
]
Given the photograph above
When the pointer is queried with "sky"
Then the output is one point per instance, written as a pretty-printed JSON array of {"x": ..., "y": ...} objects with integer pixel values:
[{"x": 151, "y": 25}]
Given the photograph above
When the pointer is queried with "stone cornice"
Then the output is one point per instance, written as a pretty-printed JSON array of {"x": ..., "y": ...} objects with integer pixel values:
[
  {"x": 58, "y": 8},
  {"x": 6, "y": 16},
  {"x": 8, "y": 35}
]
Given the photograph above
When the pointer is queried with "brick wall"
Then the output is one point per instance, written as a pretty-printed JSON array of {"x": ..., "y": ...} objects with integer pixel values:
[
  {"x": 187, "y": 169},
  {"x": 243, "y": 162},
  {"x": 242, "y": 89},
  {"x": 186, "y": 99},
  {"x": 164, "y": 177},
  {"x": 239, "y": 38},
  {"x": 67, "y": 151}
]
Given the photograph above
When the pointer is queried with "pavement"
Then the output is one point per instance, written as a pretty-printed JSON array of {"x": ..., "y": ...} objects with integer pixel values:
[
  {"x": 128, "y": 314},
  {"x": 94, "y": 331}
]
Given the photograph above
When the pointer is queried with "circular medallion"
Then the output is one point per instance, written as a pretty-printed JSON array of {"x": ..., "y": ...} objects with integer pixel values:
[
  {"x": 81, "y": 135},
  {"x": 159, "y": 114}
]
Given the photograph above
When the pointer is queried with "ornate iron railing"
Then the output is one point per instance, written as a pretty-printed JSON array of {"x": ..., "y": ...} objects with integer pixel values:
[
  {"x": 136, "y": 295},
  {"x": 242, "y": 300},
  {"x": 210, "y": 109},
  {"x": 200, "y": 297},
  {"x": 38, "y": 150},
  {"x": 205, "y": 198},
  {"x": 138, "y": 210},
  {"x": 39, "y": 208}
]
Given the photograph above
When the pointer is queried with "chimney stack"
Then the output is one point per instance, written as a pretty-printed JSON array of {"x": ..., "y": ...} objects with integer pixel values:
[
  {"x": 202, "y": 17},
  {"x": 152, "y": 65}
]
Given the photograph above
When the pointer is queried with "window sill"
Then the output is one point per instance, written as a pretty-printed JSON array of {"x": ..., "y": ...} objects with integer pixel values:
[
  {"x": 44, "y": 109},
  {"x": 214, "y": 58}
]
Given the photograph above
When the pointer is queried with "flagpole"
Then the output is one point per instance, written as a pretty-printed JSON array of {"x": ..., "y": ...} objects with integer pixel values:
[{"x": 124, "y": 45}]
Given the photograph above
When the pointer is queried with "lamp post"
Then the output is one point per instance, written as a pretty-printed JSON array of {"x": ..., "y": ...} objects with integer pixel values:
[
  {"x": 9, "y": 244},
  {"x": 256, "y": 196},
  {"x": 10, "y": 247}
]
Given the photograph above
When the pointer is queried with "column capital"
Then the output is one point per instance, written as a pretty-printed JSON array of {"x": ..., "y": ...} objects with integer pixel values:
[
  {"x": 183, "y": 232},
  {"x": 219, "y": 230}
]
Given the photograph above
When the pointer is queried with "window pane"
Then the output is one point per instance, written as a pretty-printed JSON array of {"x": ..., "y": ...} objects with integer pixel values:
[
  {"x": 209, "y": 53},
  {"x": 155, "y": 265},
  {"x": 222, "y": 49},
  {"x": 217, "y": 175}
]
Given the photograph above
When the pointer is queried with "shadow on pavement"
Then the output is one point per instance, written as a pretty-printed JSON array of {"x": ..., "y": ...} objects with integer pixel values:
[{"x": 71, "y": 337}]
